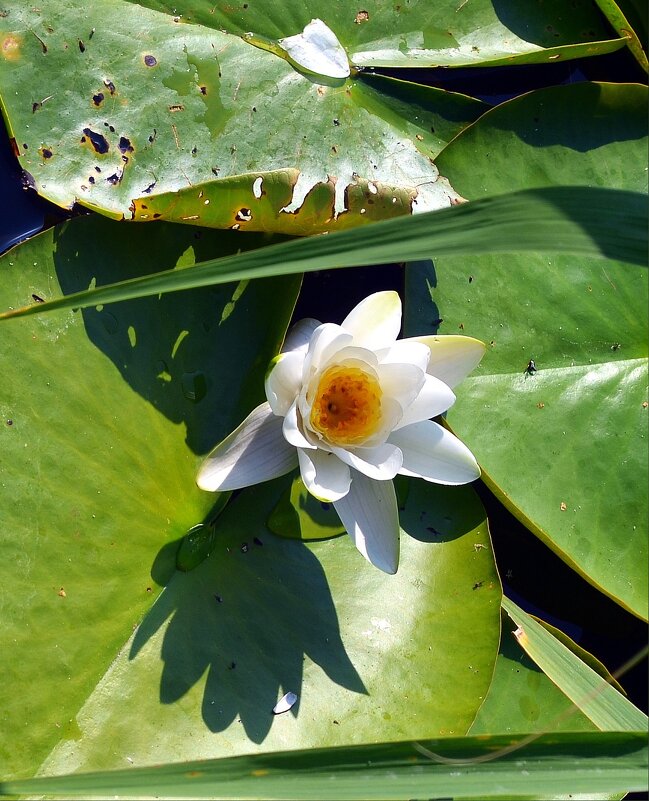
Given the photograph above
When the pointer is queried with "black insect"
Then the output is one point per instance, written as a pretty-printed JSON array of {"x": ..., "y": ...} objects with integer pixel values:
[{"x": 531, "y": 367}]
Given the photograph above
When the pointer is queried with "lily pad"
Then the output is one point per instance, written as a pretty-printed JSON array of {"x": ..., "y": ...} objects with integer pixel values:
[
  {"x": 190, "y": 124},
  {"x": 567, "y": 448},
  {"x": 104, "y": 417},
  {"x": 447, "y": 33},
  {"x": 371, "y": 657}
]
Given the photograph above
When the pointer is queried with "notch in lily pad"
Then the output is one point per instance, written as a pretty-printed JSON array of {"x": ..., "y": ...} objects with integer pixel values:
[{"x": 318, "y": 51}]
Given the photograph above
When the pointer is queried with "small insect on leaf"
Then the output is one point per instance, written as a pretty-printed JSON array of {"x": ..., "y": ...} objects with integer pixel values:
[
  {"x": 531, "y": 367},
  {"x": 284, "y": 703}
]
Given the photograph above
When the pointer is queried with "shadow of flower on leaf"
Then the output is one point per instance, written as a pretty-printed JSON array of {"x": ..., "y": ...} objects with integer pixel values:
[{"x": 247, "y": 617}]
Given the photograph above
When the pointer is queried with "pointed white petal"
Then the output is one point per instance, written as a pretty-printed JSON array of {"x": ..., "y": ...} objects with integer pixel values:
[
  {"x": 452, "y": 357},
  {"x": 370, "y": 515},
  {"x": 324, "y": 475},
  {"x": 382, "y": 462},
  {"x": 435, "y": 397},
  {"x": 406, "y": 351},
  {"x": 299, "y": 336},
  {"x": 292, "y": 430},
  {"x": 433, "y": 453},
  {"x": 318, "y": 50},
  {"x": 284, "y": 381},
  {"x": 256, "y": 451},
  {"x": 401, "y": 382},
  {"x": 376, "y": 321}
]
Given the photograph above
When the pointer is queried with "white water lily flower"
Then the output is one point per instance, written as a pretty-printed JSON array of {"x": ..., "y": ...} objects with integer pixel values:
[{"x": 351, "y": 405}]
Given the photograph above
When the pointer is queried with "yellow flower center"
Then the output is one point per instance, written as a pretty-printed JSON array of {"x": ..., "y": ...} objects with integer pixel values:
[{"x": 347, "y": 405}]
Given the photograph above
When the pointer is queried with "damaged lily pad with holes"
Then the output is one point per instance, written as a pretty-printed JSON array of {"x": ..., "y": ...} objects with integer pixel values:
[{"x": 189, "y": 124}]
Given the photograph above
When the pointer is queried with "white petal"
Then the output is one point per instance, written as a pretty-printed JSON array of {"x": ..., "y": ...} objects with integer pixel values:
[
  {"x": 318, "y": 50},
  {"x": 327, "y": 339},
  {"x": 299, "y": 336},
  {"x": 452, "y": 357},
  {"x": 355, "y": 356},
  {"x": 435, "y": 397},
  {"x": 382, "y": 462},
  {"x": 376, "y": 321},
  {"x": 284, "y": 381},
  {"x": 284, "y": 703},
  {"x": 433, "y": 453},
  {"x": 255, "y": 451},
  {"x": 401, "y": 382},
  {"x": 324, "y": 475},
  {"x": 292, "y": 430},
  {"x": 406, "y": 351},
  {"x": 370, "y": 515}
]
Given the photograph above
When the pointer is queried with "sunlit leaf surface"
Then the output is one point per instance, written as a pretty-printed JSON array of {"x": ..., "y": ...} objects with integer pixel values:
[
  {"x": 104, "y": 416},
  {"x": 565, "y": 445},
  {"x": 151, "y": 118},
  {"x": 370, "y": 656}
]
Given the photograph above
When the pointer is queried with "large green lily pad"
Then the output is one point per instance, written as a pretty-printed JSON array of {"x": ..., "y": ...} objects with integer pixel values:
[
  {"x": 371, "y": 657},
  {"x": 417, "y": 33},
  {"x": 564, "y": 446},
  {"x": 190, "y": 124},
  {"x": 104, "y": 416}
]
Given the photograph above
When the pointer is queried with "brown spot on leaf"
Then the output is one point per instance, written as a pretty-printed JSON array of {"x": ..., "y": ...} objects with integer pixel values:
[
  {"x": 361, "y": 16},
  {"x": 176, "y": 107},
  {"x": 82, "y": 46},
  {"x": 98, "y": 99},
  {"x": 540, "y": 405},
  {"x": 62, "y": 593},
  {"x": 46, "y": 153},
  {"x": 110, "y": 86},
  {"x": 243, "y": 215},
  {"x": 97, "y": 140},
  {"x": 125, "y": 145},
  {"x": 562, "y": 506},
  {"x": 150, "y": 61}
]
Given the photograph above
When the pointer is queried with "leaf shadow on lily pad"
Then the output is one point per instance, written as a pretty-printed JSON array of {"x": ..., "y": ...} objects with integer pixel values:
[
  {"x": 248, "y": 615},
  {"x": 197, "y": 356},
  {"x": 546, "y": 26}
]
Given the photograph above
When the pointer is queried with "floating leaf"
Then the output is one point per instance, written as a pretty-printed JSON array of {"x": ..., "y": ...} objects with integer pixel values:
[
  {"x": 368, "y": 655},
  {"x": 104, "y": 417},
  {"x": 567, "y": 449},
  {"x": 190, "y": 124}
]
